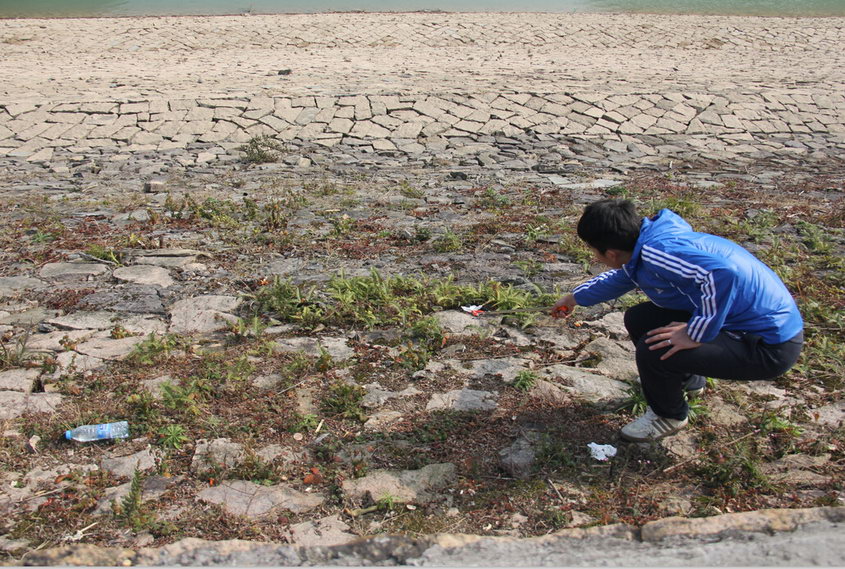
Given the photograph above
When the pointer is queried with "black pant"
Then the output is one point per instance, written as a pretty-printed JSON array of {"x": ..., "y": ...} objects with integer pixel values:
[{"x": 731, "y": 355}]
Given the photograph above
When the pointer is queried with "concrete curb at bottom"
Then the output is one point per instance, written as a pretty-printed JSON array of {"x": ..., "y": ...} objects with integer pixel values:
[{"x": 776, "y": 537}]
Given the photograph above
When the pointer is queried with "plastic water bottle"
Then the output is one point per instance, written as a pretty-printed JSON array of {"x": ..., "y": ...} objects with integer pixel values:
[{"x": 103, "y": 431}]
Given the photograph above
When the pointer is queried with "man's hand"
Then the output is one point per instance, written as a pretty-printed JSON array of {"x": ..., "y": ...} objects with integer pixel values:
[
  {"x": 564, "y": 306},
  {"x": 673, "y": 336}
]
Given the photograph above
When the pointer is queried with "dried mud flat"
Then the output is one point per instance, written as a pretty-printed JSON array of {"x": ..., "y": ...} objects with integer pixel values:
[{"x": 288, "y": 347}]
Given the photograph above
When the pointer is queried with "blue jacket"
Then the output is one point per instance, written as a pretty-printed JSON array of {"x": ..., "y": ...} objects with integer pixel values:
[{"x": 723, "y": 285}]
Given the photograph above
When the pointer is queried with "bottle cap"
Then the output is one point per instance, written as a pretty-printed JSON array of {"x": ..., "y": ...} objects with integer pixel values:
[{"x": 68, "y": 435}]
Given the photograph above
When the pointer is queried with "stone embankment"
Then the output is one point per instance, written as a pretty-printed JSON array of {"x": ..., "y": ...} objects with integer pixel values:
[
  {"x": 543, "y": 91},
  {"x": 765, "y": 538},
  {"x": 646, "y": 128}
]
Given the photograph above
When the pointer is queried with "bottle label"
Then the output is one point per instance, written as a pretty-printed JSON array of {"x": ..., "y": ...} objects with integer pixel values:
[{"x": 103, "y": 430}]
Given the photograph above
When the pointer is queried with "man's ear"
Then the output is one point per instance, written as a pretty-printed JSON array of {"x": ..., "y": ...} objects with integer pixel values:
[
  {"x": 613, "y": 255},
  {"x": 617, "y": 256}
]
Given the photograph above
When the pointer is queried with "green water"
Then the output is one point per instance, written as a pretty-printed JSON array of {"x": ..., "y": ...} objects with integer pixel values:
[{"x": 62, "y": 8}]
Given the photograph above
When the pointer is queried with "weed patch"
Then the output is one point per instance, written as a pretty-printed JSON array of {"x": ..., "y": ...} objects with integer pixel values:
[
  {"x": 449, "y": 242},
  {"x": 377, "y": 301},
  {"x": 15, "y": 353},
  {"x": 260, "y": 150},
  {"x": 733, "y": 471},
  {"x": 344, "y": 401},
  {"x": 525, "y": 380},
  {"x": 155, "y": 348}
]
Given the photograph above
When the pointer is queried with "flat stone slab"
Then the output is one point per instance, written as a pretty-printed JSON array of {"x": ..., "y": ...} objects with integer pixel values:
[
  {"x": 616, "y": 360},
  {"x": 284, "y": 267},
  {"x": 133, "y": 298},
  {"x": 243, "y": 498},
  {"x": 57, "y": 270},
  {"x": 324, "y": 532},
  {"x": 376, "y": 396},
  {"x": 613, "y": 324},
  {"x": 218, "y": 452},
  {"x": 588, "y": 386},
  {"x": 126, "y": 465},
  {"x": 549, "y": 392},
  {"x": 795, "y": 462},
  {"x": 798, "y": 469},
  {"x": 18, "y": 379},
  {"x": 168, "y": 262},
  {"x": 167, "y": 258},
  {"x": 28, "y": 317},
  {"x": 162, "y": 253},
  {"x": 460, "y": 323},
  {"x": 109, "y": 349},
  {"x": 108, "y": 320},
  {"x": 57, "y": 341},
  {"x": 463, "y": 400},
  {"x": 404, "y": 486},
  {"x": 506, "y": 368},
  {"x": 684, "y": 445},
  {"x": 78, "y": 362},
  {"x": 12, "y": 285},
  {"x": 267, "y": 381},
  {"x": 286, "y": 455},
  {"x": 722, "y": 413},
  {"x": 38, "y": 476},
  {"x": 14, "y": 546},
  {"x": 202, "y": 314},
  {"x": 802, "y": 478},
  {"x": 146, "y": 275},
  {"x": 832, "y": 415},
  {"x": 14, "y": 403},
  {"x": 143, "y": 324},
  {"x": 757, "y": 521},
  {"x": 152, "y": 487},
  {"x": 563, "y": 340},
  {"x": 382, "y": 420},
  {"x": 594, "y": 185}
]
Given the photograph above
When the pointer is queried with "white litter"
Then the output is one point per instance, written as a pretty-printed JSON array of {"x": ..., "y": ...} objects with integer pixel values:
[
  {"x": 474, "y": 309},
  {"x": 602, "y": 452}
]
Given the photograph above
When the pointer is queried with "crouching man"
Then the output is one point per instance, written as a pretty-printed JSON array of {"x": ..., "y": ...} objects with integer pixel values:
[{"x": 714, "y": 309}]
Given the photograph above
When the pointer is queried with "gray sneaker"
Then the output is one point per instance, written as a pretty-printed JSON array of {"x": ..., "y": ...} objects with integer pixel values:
[
  {"x": 695, "y": 392},
  {"x": 651, "y": 427}
]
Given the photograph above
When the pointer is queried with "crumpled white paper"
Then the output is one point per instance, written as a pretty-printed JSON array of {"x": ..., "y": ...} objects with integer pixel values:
[
  {"x": 602, "y": 452},
  {"x": 474, "y": 309}
]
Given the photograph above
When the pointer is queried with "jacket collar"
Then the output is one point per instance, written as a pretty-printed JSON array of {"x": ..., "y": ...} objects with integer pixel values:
[{"x": 631, "y": 266}]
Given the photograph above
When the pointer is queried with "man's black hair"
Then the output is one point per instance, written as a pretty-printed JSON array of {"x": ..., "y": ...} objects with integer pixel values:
[{"x": 610, "y": 224}]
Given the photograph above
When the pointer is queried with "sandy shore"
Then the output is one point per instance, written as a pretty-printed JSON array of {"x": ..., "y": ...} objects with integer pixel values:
[{"x": 353, "y": 53}]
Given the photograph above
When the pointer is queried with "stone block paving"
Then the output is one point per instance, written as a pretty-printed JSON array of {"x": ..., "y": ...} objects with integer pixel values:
[
  {"x": 416, "y": 29},
  {"x": 489, "y": 89},
  {"x": 643, "y": 128}
]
